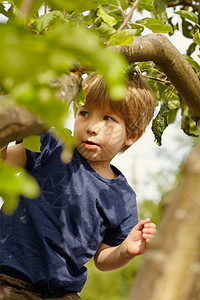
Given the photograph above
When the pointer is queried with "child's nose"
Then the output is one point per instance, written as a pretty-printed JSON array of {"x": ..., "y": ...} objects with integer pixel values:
[{"x": 94, "y": 127}]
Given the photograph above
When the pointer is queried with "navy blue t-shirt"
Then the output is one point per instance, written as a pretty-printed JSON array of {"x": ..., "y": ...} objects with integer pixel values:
[{"x": 48, "y": 240}]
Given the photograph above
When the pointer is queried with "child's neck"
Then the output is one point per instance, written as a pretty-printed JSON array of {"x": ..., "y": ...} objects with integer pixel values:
[{"x": 103, "y": 169}]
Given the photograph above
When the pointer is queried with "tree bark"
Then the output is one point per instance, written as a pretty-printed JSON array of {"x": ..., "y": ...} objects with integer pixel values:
[
  {"x": 157, "y": 48},
  {"x": 17, "y": 122},
  {"x": 171, "y": 267}
]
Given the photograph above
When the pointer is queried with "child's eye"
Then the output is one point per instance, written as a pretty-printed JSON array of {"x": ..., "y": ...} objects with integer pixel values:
[
  {"x": 84, "y": 113},
  {"x": 108, "y": 118}
]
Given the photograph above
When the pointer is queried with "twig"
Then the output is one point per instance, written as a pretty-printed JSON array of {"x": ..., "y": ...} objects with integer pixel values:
[
  {"x": 120, "y": 8},
  {"x": 126, "y": 20},
  {"x": 163, "y": 81},
  {"x": 26, "y": 6}
]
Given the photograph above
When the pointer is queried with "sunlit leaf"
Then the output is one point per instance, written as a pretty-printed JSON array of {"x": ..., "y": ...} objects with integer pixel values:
[
  {"x": 155, "y": 25},
  {"x": 46, "y": 20},
  {"x": 106, "y": 29},
  {"x": 188, "y": 15},
  {"x": 159, "y": 11},
  {"x": 192, "y": 62},
  {"x": 197, "y": 37},
  {"x": 80, "y": 98},
  {"x": 101, "y": 13},
  {"x": 72, "y": 5},
  {"x": 32, "y": 143},
  {"x": 145, "y": 4},
  {"x": 124, "y": 37}
]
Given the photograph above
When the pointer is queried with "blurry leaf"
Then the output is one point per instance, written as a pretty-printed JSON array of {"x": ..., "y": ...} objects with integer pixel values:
[
  {"x": 72, "y": 5},
  {"x": 155, "y": 25},
  {"x": 26, "y": 57},
  {"x": 124, "y": 37},
  {"x": 101, "y": 13},
  {"x": 106, "y": 29},
  {"x": 46, "y": 20},
  {"x": 14, "y": 182},
  {"x": 80, "y": 98},
  {"x": 159, "y": 11},
  {"x": 32, "y": 143},
  {"x": 188, "y": 15},
  {"x": 192, "y": 62},
  {"x": 107, "y": 62}
]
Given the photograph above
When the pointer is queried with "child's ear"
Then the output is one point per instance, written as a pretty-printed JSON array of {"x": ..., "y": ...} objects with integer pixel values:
[{"x": 132, "y": 139}]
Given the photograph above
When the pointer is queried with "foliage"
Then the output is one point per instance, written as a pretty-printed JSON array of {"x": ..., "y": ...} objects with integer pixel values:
[
  {"x": 37, "y": 47},
  {"x": 15, "y": 181},
  {"x": 113, "y": 285}
]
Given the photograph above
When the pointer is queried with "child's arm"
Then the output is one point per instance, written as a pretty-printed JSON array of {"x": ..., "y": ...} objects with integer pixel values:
[
  {"x": 14, "y": 155},
  {"x": 110, "y": 258}
]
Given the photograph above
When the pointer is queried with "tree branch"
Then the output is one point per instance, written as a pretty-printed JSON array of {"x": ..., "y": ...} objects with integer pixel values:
[
  {"x": 157, "y": 48},
  {"x": 17, "y": 122},
  {"x": 125, "y": 22},
  {"x": 26, "y": 7}
]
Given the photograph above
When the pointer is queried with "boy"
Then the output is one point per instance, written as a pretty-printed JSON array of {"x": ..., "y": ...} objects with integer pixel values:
[{"x": 86, "y": 207}]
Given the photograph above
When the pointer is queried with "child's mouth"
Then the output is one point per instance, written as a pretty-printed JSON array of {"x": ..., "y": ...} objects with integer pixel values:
[{"x": 90, "y": 145}]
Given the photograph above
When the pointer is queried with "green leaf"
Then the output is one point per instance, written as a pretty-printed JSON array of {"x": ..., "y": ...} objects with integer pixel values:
[
  {"x": 159, "y": 11},
  {"x": 196, "y": 37},
  {"x": 106, "y": 29},
  {"x": 80, "y": 98},
  {"x": 155, "y": 25},
  {"x": 48, "y": 19},
  {"x": 72, "y": 5},
  {"x": 145, "y": 4},
  {"x": 124, "y": 37},
  {"x": 160, "y": 123},
  {"x": 101, "y": 13},
  {"x": 32, "y": 143},
  {"x": 192, "y": 62},
  {"x": 187, "y": 124},
  {"x": 14, "y": 182},
  {"x": 188, "y": 15}
]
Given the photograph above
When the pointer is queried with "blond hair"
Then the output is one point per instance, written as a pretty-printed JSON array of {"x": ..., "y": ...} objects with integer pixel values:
[{"x": 136, "y": 109}]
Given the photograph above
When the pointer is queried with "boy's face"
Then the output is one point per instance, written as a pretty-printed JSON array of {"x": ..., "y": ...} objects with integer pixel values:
[{"x": 99, "y": 134}]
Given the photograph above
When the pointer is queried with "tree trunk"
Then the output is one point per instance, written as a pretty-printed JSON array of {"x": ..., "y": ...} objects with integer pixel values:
[{"x": 171, "y": 267}]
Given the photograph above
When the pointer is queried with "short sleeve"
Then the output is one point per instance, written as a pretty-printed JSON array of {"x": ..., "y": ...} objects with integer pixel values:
[
  {"x": 115, "y": 236},
  {"x": 48, "y": 145}
]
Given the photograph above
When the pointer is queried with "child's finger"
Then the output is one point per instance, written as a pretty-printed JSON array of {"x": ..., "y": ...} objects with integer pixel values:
[
  {"x": 148, "y": 237},
  {"x": 150, "y": 230},
  {"x": 141, "y": 224},
  {"x": 147, "y": 225}
]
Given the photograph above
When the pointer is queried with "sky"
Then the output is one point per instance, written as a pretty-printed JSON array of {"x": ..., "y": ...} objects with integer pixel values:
[{"x": 145, "y": 164}]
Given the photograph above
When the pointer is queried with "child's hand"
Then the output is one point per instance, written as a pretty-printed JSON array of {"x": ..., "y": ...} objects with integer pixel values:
[{"x": 139, "y": 237}]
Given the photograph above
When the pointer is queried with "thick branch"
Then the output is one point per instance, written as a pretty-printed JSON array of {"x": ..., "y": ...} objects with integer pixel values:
[
  {"x": 157, "y": 48},
  {"x": 171, "y": 268},
  {"x": 17, "y": 122}
]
